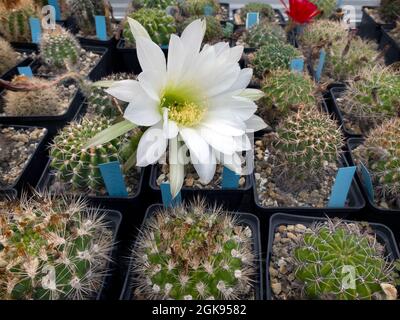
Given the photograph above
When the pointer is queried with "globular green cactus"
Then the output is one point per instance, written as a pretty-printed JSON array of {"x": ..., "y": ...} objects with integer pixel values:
[
  {"x": 8, "y": 57},
  {"x": 372, "y": 98},
  {"x": 228, "y": 30},
  {"x": 157, "y": 22},
  {"x": 307, "y": 140},
  {"x": 323, "y": 33},
  {"x": 214, "y": 31},
  {"x": 346, "y": 59},
  {"x": 44, "y": 102},
  {"x": 265, "y": 10},
  {"x": 390, "y": 10},
  {"x": 284, "y": 92},
  {"x": 159, "y": 4},
  {"x": 101, "y": 103},
  {"x": 59, "y": 48},
  {"x": 78, "y": 168},
  {"x": 264, "y": 34},
  {"x": 14, "y": 20},
  {"x": 52, "y": 248},
  {"x": 343, "y": 261},
  {"x": 273, "y": 56},
  {"x": 196, "y": 7},
  {"x": 327, "y": 7},
  {"x": 381, "y": 153},
  {"x": 194, "y": 252}
]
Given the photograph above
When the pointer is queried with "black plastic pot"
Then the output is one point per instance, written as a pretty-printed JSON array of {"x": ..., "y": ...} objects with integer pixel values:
[
  {"x": 34, "y": 166},
  {"x": 392, "y": 53},
  {"x": 369, "y": 28},
  {"x": 93, "y": 42},
  {"x": 243, "y": 218},
  {"x": 355, "y": 200},
  {"x": 14, "y": 71},
  {"x": 8, "y": 194},
  {"x": 383, "y": 233},
  {"x": 352, "y": 144},
  {"x": 47, "y": 179}
]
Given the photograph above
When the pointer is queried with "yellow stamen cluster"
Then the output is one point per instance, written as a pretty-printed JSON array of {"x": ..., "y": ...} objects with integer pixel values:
[{"x": 186, "y": 114}]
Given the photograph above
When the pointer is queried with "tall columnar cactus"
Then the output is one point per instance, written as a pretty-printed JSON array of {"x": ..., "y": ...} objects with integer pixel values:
[
  {"x": 285, "y": 91},
  {"x": 158, "y": 24},
  {"x": 327, "y": 7},
  {"x": 193, "y": 252},
  {"x": 45, "y": 102},
  {"x": 372, "y": 98},
  {"x": 8, "y": 57},
  {"x": 272, "y": 56},
  {"x": 214, "y": 31},
  {"x": 263, "y": 34},
  {"x": 306, "y": 141},
  {"x": 52, "y": 248},
  {"x": 196, "y": 7},
  {"x": 323, "y": 33},
  {"x": 390, "y": 10},
  {"x": 342, "y": 261},
  {"x": 380, "y": 153},
  {"x": 14, "y": 21},
  {"x": 59, "y": 48},
  {"x": 265, "y": 10}
]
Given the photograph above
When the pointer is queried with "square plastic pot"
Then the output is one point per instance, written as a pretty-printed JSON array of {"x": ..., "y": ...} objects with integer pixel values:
[
  {"x": 369, "y": 28},
  {"x": 392, "y": 53},
  {"x": 93, "y": 42},
  {"x": 383, "y": 233},
  {"x": 33, "y": 167},
  {"x": 245, "y": 219}
]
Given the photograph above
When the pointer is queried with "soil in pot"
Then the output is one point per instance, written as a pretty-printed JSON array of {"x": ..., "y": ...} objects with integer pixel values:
[
  {"x": 17, "y": 145},
  {"x": 307, "y": 262}
]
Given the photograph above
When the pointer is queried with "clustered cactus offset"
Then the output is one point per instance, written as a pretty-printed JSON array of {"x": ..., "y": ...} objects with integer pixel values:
[
  {"x": 8, "y": 57},
  {"x": 326, "y": 253},
  {"x": 52, "y": 248},
  {"x": 194, "y": 252},
  {"x": 263, "y": 34}
]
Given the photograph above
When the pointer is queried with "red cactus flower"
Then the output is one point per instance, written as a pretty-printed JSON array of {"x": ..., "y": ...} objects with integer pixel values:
[{"x": 301, "y": 11}]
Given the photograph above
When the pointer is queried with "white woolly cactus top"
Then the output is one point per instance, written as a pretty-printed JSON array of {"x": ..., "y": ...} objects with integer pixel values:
[{"x": 193, "y": 252}]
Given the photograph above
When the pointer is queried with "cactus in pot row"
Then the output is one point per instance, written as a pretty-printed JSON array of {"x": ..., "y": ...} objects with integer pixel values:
[
  {"x": 8, "y": 57},
  {"x": 264, "y": 33},
  {"x": 52, "y": 248},
  {"x": 197, "y": 7},
  {"x": 266, "y": 12},
  {"x": 214, "y": 31},
  {"x": 194, "y": 252}
]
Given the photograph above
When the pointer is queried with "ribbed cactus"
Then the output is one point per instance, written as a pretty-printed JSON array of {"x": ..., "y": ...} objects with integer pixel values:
[
  {"x": 372, "y": 98},
  {"x": 264, "y": 9},
  {"x": 14, "y": 20},
  {"x": 214, "y": 31},
  {"x": 342, "y": 261},
  {"x": 59, "y": 48},
  {"x": 194, "y": 252},
  {"x": 158, "y": 24},
  {"x": 8, "y": 57},
  {"x": 390, "y": 10},
  {"x": 327, "y": 7},
  {"x": 52, "y": 248},
  {"x": 285, "y": 91},
  {"x": 263, "y": 34},
  {"x": 44, "y": 102},
  {"x": 323, "y": 33},
  {"x": 196, "y": 7},
  {"x": 380, "y": 153},
  {"x": 273, "y": 56},
  {"x": 306, "y": 141}
]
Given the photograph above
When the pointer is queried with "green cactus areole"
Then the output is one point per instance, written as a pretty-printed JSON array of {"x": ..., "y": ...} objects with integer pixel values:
[
  {"x": 193, "y": 252},
  {"x": 263, "y": 34}
]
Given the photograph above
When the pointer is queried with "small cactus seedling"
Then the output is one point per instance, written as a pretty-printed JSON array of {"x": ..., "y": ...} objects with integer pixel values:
[
  {"x": 8, "y": 57},
  {"x": 52, "y": 248},
  {"x": 329, "y": 252},
  {"x": 380, "y": 153},
  {"x": 157, "y": 22},
  {"x": 59, "y": 48},
  {"x": 373, "y": 97},
  {"x": 194, "y": 252},
  {"x": 263, "y": 34},
  {"x": 390, "y": 10},
  {"x": 45, "y": 102},
  {"x": 266, "y": 12},
  {"x": 197, "y": 7},
  {"x": 214, "y": 31},
  {"x": 285, "y": 91}
]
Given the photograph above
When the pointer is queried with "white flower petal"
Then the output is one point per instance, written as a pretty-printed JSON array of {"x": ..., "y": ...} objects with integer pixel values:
[
  {"x": 176, "y": 59},
  {"x": 236, "y": 54},
  {"x": 232, "y": 162},
  {"x": 125, "y": 90},
  {"x": 170, "y": 127},
  {"x": 152, "y": 83},
  {"x": 255, "y": 123},
  {"x": 242, "y": 108},
  {"x": 193, "y": 35},
  {"x": 195, "y": 143},
  {"x": 152, "y": 146},
  {"x": 206, "y": 171},
  {"x": 252, "y": 94},
  {"x": 137, "y": 29},
  {"x": 176, "y": 168},
  {"x": 243, "y": 80},
  {"x": 242, "y": 143},
  {"x": 223, "y": 126},
  {"x": 151, "y": 57},
  {"x": 219, "y": 142}
]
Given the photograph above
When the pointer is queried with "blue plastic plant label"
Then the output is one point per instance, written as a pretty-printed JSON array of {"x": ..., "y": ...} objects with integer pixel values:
[
  {"x": 57, "y": 8},
  {"x": 208, "y": 10},
  {"x": 230, "y": 180},
  {"x": 253, "y": 18},
  {"x": 297, "y": 65},
  {"x": 366, "y": 177},
  {"x": 25, "y": 71},
  {"x": 166, "y": 195},
  {"x": 113, "y": 179},
  {"x": 101, "y": 28},
  {"x": 339, "y": 3},
  {"x": 36, "y": 30},
  {"x": 321, "y": 64},
  {"x": 341, "y": 188}
]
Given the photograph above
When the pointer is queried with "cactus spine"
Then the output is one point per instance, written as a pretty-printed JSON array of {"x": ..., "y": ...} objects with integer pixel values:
[
  {"x": 8, "y": 57},
  {"x": 327, "y": 7},
  {"x": 263, "y": 34},
  {"x": 390, "y": 10},
  {"x": 323, "y": 33}
]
